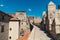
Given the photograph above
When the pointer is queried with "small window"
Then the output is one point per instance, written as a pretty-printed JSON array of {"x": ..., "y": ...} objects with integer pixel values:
[
  {"x": 2, "y": 18},
  {"x": 21, "y": 32},
  {"x": 22, "y": 23},
  {"x": 2, "y": 28},
  {"x": 10, "y": 29},
  {"x": 10, "y": 37}
]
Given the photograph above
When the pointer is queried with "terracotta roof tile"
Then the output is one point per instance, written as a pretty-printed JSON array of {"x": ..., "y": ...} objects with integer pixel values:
[{"x": 14, "y": 18}]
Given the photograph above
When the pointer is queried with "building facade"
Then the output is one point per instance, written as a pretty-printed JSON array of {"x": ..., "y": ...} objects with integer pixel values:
[
  {"x": 52, "y": 19},
  {"x": 4, "y": 25},
  {"x": 14, "y": 25},
  {"x": 24, "y": 24},
  {"x": 11, "y": 24}
]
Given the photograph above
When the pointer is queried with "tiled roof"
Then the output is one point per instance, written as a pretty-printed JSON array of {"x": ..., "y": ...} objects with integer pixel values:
[
  {"x": 11, "y": 14},
  {"x": 5, "y": 13},
  {"x": 14, "y": 18}
]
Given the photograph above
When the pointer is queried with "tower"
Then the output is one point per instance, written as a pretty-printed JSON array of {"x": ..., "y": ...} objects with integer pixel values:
[
  {"x": 51, "y": 13},
  {"x": 51, "y": 10},
  {"x": 21, "y": 15},
  {"x": 44, "y": 21}
]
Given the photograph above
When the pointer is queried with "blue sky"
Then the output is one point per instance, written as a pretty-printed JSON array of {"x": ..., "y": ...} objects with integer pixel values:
[{"x": 32, "y": 7}]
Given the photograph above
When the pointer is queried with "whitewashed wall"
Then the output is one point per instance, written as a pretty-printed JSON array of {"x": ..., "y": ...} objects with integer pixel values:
[{"x": 14, "y": 25}]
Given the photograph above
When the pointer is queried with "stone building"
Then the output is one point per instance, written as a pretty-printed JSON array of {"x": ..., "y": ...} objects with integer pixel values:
[
  {"x": 34, "y": 19},
  {"x": 30, "y": 19},
  {"x": 21, "y": 15},
  {"x": 37, "y": 20},
  {"x": 9, "y": 21},
  {"x": 4, "y": 25},
  {"x": 43, "y": 22},
  {"x": 14, "y": 25},
  {"x": 52, "y": 19},
  {"x": 57, "y": 20}
]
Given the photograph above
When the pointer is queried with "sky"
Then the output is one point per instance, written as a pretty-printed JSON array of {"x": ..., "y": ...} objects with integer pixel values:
[{"x": 32, "y": 7}]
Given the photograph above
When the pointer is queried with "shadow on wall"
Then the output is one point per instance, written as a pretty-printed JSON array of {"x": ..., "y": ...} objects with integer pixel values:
[{"x": 31, "y": 27}]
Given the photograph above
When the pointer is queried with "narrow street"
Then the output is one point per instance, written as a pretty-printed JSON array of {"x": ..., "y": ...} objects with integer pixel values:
[
  {"x": 38, "y": 34},
  {"x": 35, "y": 34}
]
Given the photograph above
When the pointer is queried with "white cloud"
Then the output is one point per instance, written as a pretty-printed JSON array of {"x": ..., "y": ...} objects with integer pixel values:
[
  {"x": 29, "y": 9},
  {"x": 1, "y": 5}
]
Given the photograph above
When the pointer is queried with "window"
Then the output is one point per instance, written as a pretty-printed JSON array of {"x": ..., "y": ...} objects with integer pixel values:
[
  {"x": 21, "y": 32},
  {"x": 10, "y": 37},
  {"x": 2, "y": 18},
  {"x": 10, "y": 29},
  {"x": 21, "y": 23},
  {"x": 2, "y": 27}
]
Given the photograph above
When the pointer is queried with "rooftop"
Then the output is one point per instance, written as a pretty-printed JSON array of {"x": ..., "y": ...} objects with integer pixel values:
[
  {"x": 14, "y": 19},
  {"x": 21, "y": 11}
]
